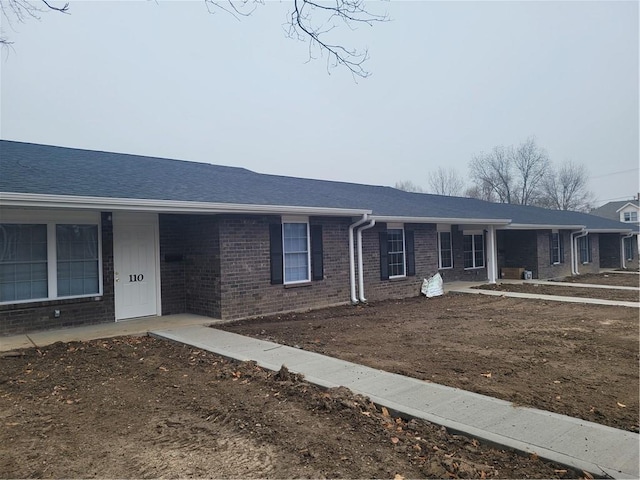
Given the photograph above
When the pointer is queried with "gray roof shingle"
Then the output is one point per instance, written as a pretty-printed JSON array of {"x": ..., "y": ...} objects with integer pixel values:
[{"x": 43, "y": 169}]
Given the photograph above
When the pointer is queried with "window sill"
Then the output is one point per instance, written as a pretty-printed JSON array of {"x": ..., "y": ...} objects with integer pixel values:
[
  {"x": 474, "y": 268},
  {"x": 297, "y": 285},
  {"x": 445, "y": 268},
  {"x": 51, "y": 302}
]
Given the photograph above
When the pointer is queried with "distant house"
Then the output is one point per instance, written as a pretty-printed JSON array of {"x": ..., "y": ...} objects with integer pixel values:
[
  {"x": 628, "y": 212},
  {"x": 90, "y": 237}
]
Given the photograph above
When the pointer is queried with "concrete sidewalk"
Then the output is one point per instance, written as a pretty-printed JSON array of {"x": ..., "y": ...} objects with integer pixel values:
[
  {"x": 467, "y": 287},
  {"x": 137, "y": 326},
  {"x": 582, "y": 445}
]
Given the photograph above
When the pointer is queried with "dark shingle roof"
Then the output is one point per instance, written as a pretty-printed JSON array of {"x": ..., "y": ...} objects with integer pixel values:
[
  {"x": 610, "y": 210},
  {"x": 43, "y": 169}
]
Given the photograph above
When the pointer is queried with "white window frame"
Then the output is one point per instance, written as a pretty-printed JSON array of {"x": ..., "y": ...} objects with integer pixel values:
[
  {"x": 295, "y": 220},
  {"x": 440, "y": 232},
  {"x": 51, "y": 219},
  {"x": 628, "y": 248},
  {"x": 392, "y": 226},
  {"x": 630, "y": 214},
  {"x": 586, "y": 240},
  {"x": 473, "y": 234},
  {"x": 560, "y": 248}
]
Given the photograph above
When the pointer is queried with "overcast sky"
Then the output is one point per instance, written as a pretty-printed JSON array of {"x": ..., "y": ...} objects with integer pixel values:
[{"x": 449, "y": 80}]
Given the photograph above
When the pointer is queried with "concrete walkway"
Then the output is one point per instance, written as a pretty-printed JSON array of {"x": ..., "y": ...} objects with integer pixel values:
[
  {"x": 467, "y": 287},
  {"x": 582, "y": 445},
  {"x": 137, "y": 326}
]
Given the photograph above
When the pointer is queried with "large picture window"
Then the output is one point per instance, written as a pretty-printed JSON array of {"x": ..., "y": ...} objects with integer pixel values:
[
  {"x": 445, "y": 252},
  {"x": 473, "y": 247},
  {"x": 49, "y": 260}
]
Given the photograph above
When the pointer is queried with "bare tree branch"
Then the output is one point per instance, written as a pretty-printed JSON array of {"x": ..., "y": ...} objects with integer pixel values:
[
  {"x": 21, "y": 10},
  {"x": 567, "y": 188},
  {"x": 446, "y": 181},
  {"x": 408, "y": 186}
]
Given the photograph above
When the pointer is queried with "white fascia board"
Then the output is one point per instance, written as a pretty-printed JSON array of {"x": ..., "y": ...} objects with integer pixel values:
[
  {"x": 452, "y": 221},
  {"x": 610, "y": 230},
  {"x": 637, "y": 207},
  {"x": 11, "y": 199},
  {"x": 536, "y": 226}
]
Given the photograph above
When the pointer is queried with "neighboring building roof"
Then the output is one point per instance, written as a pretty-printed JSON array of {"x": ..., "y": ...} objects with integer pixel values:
[
  {"x": 611, "y": 210},
  {"x": 48, "y": 170}
]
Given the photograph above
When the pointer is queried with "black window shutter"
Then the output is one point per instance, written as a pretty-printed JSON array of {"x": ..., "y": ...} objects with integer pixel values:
[
  {"x": 317, "y": 266},
  {"x": 275, "y": 253},
  {"x": 410, "y": 253},
  {"x": 384, "y": 256}
]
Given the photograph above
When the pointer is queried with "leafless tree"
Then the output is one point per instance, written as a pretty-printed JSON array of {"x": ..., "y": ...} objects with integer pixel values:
[
  {"x": 409, "y": 186},
  {"x": 567, "y": 188},
  {"x": 493, "y": 172},
  {"x": 446, "y": 181},
  {"x": 308, "y": 20},
  {"x": 21, "y": 10},
  {"x": 481, "y": 192},
  {"x": 531, "y": 164},
  {"x": 513, "y": 174}
]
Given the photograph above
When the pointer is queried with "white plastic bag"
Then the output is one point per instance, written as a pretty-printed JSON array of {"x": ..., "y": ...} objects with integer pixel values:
[{"x": 433, "y": 286}]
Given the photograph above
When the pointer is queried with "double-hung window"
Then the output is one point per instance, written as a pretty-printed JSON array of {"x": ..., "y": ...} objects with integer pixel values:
[
  {"x": 473, "y": 249},
  {"x": 295, "y": 239},
  {"x": 395, "y": 252},
  {"x": 445, "y": 251},
  {"x": 556, "y": 244},
  {"x": 630, "y": 216},
  {"x": 628, "y": 248},
  {"x": 397, "y": 255},
  {"x": 49, "y": 259},
  {"x": 584, "y": 249},
  {"x": 296, "y": 252}
]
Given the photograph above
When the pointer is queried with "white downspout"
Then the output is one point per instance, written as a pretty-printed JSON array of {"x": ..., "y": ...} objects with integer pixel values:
[
  {"x": 352, "y": 265},
  {"x": 622, "y": 253},
  {"x": 574, "y": 250},
  {"x": 360, "y": 264},
  {"x": 492, "y": 259}
]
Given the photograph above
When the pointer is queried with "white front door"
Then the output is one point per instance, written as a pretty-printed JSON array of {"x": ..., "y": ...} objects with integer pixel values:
[{"x": 135, "y": 247}]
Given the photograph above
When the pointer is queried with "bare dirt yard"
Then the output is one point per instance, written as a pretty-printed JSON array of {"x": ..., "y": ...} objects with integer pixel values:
[
  {"x": 138, "y": 407},
  {"x": 574, "y": 359},
  {"x": 617, "y": 279}
]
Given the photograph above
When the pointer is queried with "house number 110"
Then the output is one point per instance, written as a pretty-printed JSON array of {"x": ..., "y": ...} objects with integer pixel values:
[{"x": 136, "y": 278}]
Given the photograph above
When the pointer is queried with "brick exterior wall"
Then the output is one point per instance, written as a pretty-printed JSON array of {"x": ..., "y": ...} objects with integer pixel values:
[
  {"x": 458, "y": 272},
  {"x": 610, "y": 245},
  {"x": 27, "y": 317},
  {"x": 173, "y": 231},
  {"x": 426, "y": 262},
  {"x": 546, "y": 269},
  {"x": 202, "y": 266},
  {"x": 245, "y": 281}
]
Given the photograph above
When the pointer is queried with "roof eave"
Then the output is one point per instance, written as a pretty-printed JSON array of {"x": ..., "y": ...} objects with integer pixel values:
[
  {"x": 451, "y": 220},
  {"x": 626, "y": 205},
  {"x": 537, "y": 226},
  {"x": 12, "y": 199}
]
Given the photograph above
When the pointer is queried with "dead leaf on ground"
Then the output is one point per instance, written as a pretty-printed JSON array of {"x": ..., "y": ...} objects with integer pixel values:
[
  {"x": 394, "y": 440},
  {"x": 398, "y": 477},
  {"x": 587, "y": 475},
  {"x": 164, "y": 369},
  {"x": 621, "y": 405},
  {"x": 385, "y": 412},
  {"x": 488, "y": 374}
]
